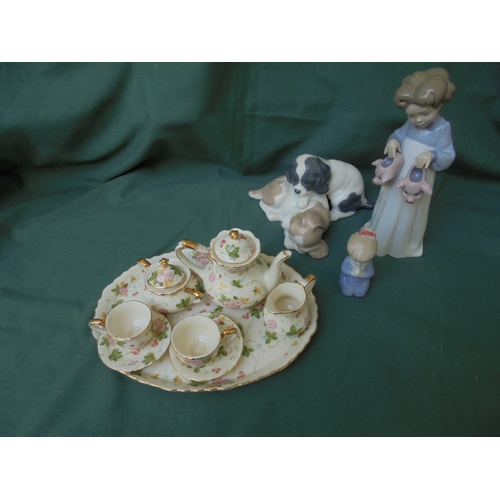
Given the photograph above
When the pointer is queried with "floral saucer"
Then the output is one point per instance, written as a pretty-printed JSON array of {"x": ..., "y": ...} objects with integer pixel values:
[
  {"x": 228, "y": 355},
  {"x": 117, "y": 356}
]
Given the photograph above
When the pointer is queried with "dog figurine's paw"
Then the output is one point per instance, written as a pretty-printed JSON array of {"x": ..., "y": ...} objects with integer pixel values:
[
  {"x": 302, "y": 203},
  {"x": 273, "y": 216}
]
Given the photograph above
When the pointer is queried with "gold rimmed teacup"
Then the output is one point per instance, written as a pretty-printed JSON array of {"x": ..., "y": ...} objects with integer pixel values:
[
  {"x": 132, "y": 323},
  {"x": 197, "y": 339}
]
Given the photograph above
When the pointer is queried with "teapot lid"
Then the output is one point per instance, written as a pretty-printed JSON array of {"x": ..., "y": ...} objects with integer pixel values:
[
  {"x": 166, "y": 276},
  {"x": 235, "y": 247}
]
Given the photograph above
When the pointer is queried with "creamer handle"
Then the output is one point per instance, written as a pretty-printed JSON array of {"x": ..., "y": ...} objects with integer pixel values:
[{"x": 308, "y": 283}]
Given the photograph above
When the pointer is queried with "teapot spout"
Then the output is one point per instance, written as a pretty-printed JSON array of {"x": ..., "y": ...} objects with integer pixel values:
[{"x": 272, "y": 275}]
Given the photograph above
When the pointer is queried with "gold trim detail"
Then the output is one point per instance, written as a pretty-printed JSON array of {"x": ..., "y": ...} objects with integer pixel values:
[
  {"x": 228, "y": 331},
  {"x": 190, "y": 244},
  {"x": 196, "y": 293},
  {"x": 145, "y": 263}
]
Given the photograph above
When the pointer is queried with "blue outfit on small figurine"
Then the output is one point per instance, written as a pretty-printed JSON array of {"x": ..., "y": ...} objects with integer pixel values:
[
  {"x": 353, "y": 285},
  {"x": 357, "y": 268}
]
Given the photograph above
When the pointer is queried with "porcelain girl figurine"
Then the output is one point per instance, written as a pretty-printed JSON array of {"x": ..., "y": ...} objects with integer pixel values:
[
  {"x": 357, "y": 268},
  {"x": 425, "y": 143}
]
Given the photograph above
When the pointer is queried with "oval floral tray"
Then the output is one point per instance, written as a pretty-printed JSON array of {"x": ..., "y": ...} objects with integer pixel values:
[{"x": 263, "y": 352}]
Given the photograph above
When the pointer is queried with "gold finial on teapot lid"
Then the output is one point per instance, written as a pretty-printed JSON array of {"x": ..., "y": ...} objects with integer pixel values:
[{"x": 235, "y": 247}]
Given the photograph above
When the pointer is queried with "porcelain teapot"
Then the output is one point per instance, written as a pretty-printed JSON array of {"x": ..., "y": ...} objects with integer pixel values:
[
  {"x": 233, "y": 274},
  {"x": 169, "y": 285}
]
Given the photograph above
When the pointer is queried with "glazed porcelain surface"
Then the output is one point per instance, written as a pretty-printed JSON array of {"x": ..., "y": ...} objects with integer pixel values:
[
  {"x": 198, "y": 339},
  {"x": 169, "y": 285},
  {"x": 286, "y": 311},
  {"x": 263, "y": 353},
  {"x": 118, "y": 355},
  {"x": 234, "y": 274},
  {"x": 228, "y": 354}
]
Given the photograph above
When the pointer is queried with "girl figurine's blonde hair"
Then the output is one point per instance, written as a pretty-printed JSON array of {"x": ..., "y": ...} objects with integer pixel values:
[
  {"x": 362, "y": 246},
  {"x": 425, "y": 88}
]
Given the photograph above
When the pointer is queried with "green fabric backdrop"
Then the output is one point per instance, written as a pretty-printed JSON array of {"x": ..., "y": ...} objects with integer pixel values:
[{"x": 101, "y": 164}]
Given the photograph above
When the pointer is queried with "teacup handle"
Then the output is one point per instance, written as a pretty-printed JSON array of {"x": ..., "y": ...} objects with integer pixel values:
[
  {"x": 308, "y": 283},
  {"x": 228, "y": 332},
  {"x": 195, "y": 293},
  {"x": 196, "y": 247},
  {"x": 98, "y": 325}
]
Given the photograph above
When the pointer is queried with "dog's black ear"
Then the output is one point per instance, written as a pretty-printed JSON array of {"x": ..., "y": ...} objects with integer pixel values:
[
  {"x": 323, "y": 180},
  {"x": 291, "y": 173}
]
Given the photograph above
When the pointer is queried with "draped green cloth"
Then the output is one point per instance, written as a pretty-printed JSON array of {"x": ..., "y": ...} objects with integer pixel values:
[{"x": 101, "y": 164}]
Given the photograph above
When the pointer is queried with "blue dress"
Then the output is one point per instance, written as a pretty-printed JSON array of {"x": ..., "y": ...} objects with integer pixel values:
[
  {"x": 353, "y": 285},
  {"x": 400, "y": 226}
]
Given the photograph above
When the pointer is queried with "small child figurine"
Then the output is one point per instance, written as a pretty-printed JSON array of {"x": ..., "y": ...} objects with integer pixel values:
[{"x": 357, "y": 268}]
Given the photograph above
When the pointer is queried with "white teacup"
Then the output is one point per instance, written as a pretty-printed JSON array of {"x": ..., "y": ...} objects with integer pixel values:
[
  {"x": 196, "y": 340},
  {"x": 130, "y": 323},
  {"x": 286, "y": 311}
]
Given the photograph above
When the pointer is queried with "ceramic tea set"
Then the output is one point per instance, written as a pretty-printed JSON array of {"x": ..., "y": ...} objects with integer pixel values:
[{"x": 235, "y": 276}]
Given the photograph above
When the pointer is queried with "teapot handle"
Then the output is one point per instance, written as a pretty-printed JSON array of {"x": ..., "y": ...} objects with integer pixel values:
[
  {"x": 308, "y": 283},
  {"x": 198, "y": 249}
]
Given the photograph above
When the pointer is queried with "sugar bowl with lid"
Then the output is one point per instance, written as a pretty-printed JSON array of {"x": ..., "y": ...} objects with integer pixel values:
[
  {"x": 233, "y": 274},
  {"x": 169, "y": 285}
]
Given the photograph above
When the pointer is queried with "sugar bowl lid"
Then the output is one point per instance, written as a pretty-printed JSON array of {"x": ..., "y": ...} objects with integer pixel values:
[
  {"x": 165, "y": 276},
  {"x": 235, "y": 247}
]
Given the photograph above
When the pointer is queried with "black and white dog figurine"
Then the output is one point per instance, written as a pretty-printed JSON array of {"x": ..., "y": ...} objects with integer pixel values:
[{"x": 340, "y": 181}]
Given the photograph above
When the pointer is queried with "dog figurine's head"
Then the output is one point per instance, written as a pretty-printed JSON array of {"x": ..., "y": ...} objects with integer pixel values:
[{"x": 308, "y": 173}]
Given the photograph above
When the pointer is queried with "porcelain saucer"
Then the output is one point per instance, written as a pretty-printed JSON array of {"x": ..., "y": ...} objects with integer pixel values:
[
  {"x": 222, "y": 364},
  {"x": 117, "y": 356}
]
